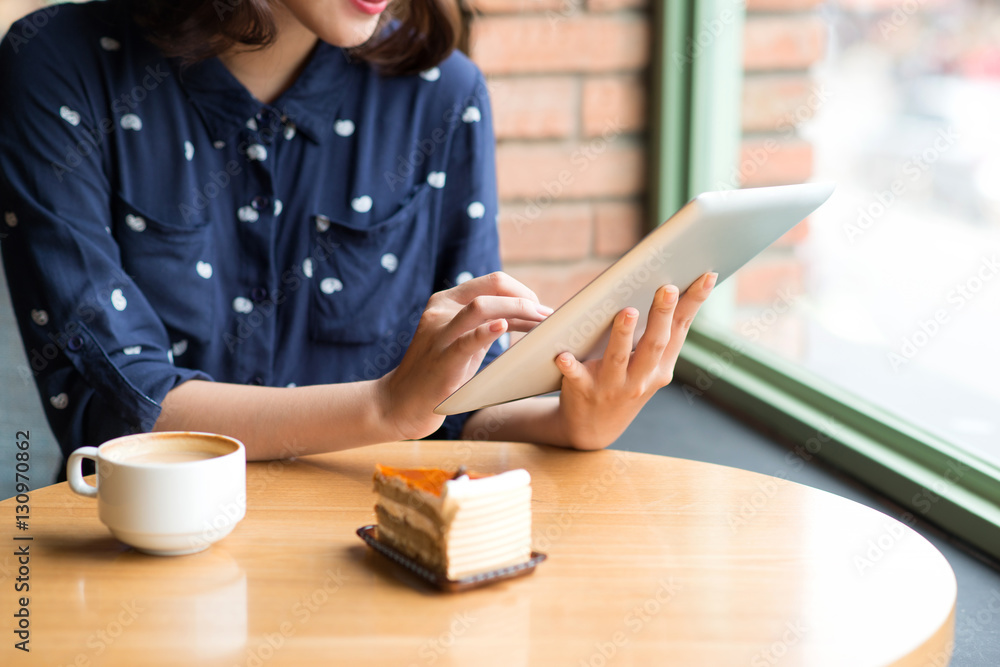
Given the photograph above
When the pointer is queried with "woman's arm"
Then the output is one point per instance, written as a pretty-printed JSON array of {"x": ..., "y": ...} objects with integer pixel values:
[
  {"x": 600, "y": 398},
  {"x": 455, "y": 331},
  {"x": 281, "y": 422}
]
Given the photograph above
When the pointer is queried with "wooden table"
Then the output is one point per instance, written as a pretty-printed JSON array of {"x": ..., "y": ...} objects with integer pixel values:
[{"x": 652, "y": 560}]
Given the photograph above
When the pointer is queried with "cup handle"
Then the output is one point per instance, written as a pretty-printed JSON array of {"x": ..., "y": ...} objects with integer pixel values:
[{"x": 74, "y": 471}]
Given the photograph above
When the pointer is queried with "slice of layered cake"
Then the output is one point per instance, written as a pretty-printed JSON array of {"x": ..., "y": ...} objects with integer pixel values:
[{"x": 455, "y": 523}]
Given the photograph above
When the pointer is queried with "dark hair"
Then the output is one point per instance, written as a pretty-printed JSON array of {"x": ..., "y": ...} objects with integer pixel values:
[{"x": 195, "y": 30}]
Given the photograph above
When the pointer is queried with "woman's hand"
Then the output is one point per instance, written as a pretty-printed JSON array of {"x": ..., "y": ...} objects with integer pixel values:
[
  {"x": 455, "y": 332},
  {"x": 600, "y": 398}
]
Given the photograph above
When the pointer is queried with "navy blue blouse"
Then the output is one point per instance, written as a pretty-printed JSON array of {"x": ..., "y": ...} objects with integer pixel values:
[{"x": 161, "y": 224}]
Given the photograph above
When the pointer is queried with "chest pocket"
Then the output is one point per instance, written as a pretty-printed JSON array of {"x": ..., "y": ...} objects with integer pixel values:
[
  {"x": 172, "y": 264},
  {"x": 373, "y": 281}
]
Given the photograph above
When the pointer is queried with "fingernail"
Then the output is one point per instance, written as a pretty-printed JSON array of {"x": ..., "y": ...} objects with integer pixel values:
[
  {"x": 710, "y": 281},
  {"x": 544, "y": 310},
  {"x": 670, "y": 294},
  {"x": 497, "y": 326},
  {"x": 631, "y": 314},
  {"x": 563, "y": 359}
]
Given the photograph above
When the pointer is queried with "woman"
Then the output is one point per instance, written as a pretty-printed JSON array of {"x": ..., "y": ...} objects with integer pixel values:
[{"x": 275, "y": 220}]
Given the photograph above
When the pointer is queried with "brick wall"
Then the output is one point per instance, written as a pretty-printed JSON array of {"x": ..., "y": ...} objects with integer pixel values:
[
  {"x": 782, "y": 40},
  {"x": 568, "y": 84},
  {"x": 569, "y": 87}
]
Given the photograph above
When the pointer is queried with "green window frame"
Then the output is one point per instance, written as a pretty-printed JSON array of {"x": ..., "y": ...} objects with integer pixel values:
[{"x": 695, "y": 131}]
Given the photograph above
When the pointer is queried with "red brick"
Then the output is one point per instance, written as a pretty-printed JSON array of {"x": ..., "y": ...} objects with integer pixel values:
[
  {"x": 545, "y": 171},
  {"x": 614, "y": 101},
  {"x": 534, "y": 107},
  {"x": 555, "y": 283},
  {"x": 777, "y": 102},
  {"x": 774, "y": 161},
  {"x": 516, "y": 6},
  {"x": 759, "y": 281},
  {"x": 618, "y": 225},
  {"x": 782, "y": 42},
  {"x": 612, "y": 5},
  {"x": 581, "y": 43},
  {"x": 784, "y": 5},
  {"x": 531, "y": 233}
]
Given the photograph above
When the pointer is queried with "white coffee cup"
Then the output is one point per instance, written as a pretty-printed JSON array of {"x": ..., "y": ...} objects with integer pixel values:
[{"x": 166, "y": 493}]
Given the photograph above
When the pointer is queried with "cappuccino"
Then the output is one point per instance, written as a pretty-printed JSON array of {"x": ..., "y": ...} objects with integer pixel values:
[{"x": 169, "y": 456}]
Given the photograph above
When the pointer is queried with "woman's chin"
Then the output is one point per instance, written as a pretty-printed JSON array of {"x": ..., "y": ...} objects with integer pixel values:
[
  {"x": 361, "y": 34},
  {"x": 338, "y": 23}
]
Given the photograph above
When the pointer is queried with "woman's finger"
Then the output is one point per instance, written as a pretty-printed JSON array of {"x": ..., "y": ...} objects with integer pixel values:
[
  {"x": 484, "y": 308},
  {"x": 687, "y": 307},
  {"x": 656, "y": 337},
  {"x": 497, "y": 283},
  {"x": 474, "y": 344},
  {"x": 614, "y": 363},
  {"x": 574, "y": 372}
]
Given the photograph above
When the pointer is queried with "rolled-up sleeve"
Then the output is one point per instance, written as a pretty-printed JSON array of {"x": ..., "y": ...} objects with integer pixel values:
[{"x": 100, "y": 355}]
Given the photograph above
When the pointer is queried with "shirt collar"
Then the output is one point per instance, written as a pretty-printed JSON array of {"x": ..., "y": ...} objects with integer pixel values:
[{"x": 311, "y": 103}]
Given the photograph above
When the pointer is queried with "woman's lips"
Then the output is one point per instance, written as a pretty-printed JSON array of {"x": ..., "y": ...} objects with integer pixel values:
[{"x": 369, "y": 7}]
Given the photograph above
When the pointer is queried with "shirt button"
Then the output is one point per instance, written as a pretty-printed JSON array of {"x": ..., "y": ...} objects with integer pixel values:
[
  {"x": 258, "y": 294},
  {"x": 74, "y": 343},
  {"x": 261, "y": 203},
  {"x": 257, "y": 380}
]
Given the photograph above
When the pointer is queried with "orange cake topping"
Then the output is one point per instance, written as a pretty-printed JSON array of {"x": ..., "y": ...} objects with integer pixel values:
[{"x": 430, "y": 480}]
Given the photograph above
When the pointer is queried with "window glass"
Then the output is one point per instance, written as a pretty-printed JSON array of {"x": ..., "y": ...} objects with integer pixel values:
[{"x": 894, "y": 292}]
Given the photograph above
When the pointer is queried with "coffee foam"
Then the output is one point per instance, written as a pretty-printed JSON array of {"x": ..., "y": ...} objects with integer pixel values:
[{"x": 165, "y": 448}]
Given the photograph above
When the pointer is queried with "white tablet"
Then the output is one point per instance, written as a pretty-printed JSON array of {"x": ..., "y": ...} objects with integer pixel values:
[{"x": 715, "y": 231}]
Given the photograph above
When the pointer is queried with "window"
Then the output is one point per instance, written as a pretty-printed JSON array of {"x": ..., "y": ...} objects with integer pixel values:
[{"x": 879, "y": 354}]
